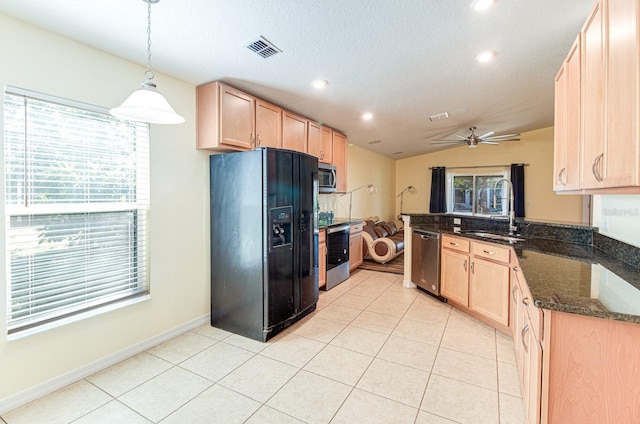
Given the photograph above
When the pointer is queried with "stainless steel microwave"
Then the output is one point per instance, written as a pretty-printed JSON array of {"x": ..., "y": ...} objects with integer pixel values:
[{"x": 326, "y": 178}]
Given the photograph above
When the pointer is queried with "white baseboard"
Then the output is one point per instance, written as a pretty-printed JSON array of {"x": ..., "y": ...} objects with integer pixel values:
[{"x": 11, "y": 402}]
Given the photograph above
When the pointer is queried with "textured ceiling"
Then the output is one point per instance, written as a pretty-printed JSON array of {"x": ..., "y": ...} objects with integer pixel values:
[{"x": 402, "y": 60}]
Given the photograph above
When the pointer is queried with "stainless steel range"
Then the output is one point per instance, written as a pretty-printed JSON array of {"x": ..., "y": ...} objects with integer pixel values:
[{"x": 337, "y": 254}]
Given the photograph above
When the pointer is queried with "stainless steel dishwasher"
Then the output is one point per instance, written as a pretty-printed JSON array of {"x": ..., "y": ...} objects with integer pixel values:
[{"x": 425, "y": 260}]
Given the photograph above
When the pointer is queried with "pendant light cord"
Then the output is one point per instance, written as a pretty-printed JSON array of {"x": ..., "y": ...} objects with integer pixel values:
[{"x": 149, "y": 73}]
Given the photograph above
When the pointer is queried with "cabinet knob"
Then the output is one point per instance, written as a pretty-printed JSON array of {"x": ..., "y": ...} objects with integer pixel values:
[{"x": 465, "y": 265}]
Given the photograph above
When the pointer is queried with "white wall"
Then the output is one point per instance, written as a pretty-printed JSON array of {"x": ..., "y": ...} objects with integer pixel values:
[{"x": 179, "y": 249}]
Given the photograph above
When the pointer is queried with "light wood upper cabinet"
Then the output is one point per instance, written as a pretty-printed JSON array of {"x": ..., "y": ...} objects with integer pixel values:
[
  {"x": 610, "y": 102},
  {"x": 340, "y": 160},
  {"x": 294, "y": 132},
  {"x": 567, "y": 122},
  {"x": 226, "y": 118},
  {"x": 268, "y": 124},
  {"x": 319, "y": 142},
  {"x": 593, "y": 72},
  {"x": 326, "y": 152},
  {"x": 314, "y": 139}
]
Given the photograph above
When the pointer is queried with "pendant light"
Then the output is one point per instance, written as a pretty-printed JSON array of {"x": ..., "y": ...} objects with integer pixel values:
[{"x": 146, "y": 104}]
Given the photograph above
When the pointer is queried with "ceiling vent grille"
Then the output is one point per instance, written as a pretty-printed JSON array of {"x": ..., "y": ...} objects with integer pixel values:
[
  {"x": 439, "y": 116},
  {"x": 263, "y": 47}
]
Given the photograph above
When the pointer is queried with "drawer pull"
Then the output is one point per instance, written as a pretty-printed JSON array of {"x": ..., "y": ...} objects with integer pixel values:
[
  {"x": 489, "y": 252},
  {"x": 560, "y": 175},
  {"x": 513, "y": 294},
  {"x": 525, "y": 301},
  {"x": 454, "y": 244}
]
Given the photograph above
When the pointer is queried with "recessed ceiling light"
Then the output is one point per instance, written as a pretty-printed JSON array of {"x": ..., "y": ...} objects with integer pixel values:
[
  {"x": 367, "y": 116},
  {"x": 485, "y": 56},
  {"x": 479, "y": 5},
  {"x": 319, "y": 83}
]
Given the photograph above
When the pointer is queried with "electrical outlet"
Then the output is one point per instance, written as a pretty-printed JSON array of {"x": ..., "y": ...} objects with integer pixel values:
[{"x": 456, "y": 221}]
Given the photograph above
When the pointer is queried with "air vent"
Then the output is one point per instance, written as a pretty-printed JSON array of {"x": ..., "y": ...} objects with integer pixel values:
[
  {"x": 263, "y": 47},
  {"x": 439, "y": 116}
]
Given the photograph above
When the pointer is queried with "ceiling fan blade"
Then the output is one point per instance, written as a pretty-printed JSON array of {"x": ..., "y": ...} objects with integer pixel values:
[
  {"x": 487, "y": 134},
  {"x": 501, "y": 136},
  {"x": 488, "y": 142},
  {"x": 448, "y": 142},
  {"x": 464, "y": 138},
  {"x": 502, "y": 139}
]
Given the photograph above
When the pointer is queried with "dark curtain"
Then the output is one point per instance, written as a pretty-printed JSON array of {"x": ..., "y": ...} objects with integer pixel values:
[
  {"x": 517, "y": 179},
  {"x": 438, "y": 202}
]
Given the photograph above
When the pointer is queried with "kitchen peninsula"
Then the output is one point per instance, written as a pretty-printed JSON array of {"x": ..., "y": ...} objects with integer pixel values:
[{"x": 574, "y": 313}]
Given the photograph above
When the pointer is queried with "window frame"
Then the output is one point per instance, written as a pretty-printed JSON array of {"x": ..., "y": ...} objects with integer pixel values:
[
  {"x": 450, "y": 191},
  {"x": 138, "y": 209}
]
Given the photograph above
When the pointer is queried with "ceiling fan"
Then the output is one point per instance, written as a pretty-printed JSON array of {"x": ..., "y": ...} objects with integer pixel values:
[{"x": 473, "y": 140}]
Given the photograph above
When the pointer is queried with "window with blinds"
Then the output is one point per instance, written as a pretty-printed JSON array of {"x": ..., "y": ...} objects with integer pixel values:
[{"x": 76, "y": 208}]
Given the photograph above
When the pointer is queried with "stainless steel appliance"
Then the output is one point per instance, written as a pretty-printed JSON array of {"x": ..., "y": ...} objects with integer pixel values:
[
  {"x": 425, "y": 260},
  {"x": 264, "y": 248},
  {"x": 327, "y": 178},
  {"x": 337, "y": 254}
]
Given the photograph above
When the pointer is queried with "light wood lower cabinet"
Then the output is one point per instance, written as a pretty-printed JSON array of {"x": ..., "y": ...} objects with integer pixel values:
[
  {"x": 355, "y": 246},
  {"x": 489, "y": 281},
  {"x": 475, "y": 276},
  {"x": 455, "y": 276},
  {"x": 528, "y": 349},
  {"x": 322, "y": 258}
]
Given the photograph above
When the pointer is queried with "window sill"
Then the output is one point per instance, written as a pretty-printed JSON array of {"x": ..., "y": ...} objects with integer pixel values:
[{"x": 78, "y": 317}]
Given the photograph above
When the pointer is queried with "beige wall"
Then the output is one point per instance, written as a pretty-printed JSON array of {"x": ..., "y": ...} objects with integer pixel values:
[
  {"x": 179, "y": 228},
  {"x": 363, "y": 168},
  {"x": 534, "y": 148}
]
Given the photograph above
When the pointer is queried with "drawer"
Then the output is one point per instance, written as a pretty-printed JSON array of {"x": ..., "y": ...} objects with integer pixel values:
[
  {"x": 491, "y": 251},
  {"x": 356, "y": 228},
  {"x": 455, "y": 243}
]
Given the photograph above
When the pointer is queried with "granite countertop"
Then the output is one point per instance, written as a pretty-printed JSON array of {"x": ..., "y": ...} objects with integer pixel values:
[{"x": 572, "y": 277}]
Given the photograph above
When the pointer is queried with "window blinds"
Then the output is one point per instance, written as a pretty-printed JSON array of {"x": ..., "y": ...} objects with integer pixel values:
[{"x": 76, "y": 208}]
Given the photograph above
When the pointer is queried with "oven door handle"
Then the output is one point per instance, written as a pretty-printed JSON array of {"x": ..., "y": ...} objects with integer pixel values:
[{"x": 337, "y": 228}]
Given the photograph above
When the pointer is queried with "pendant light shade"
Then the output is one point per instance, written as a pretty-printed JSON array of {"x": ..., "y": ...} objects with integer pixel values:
[{"x": 146, "y": 104}]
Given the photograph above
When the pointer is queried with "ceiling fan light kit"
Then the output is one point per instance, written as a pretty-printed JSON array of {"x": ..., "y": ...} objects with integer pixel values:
[{"x": 473, "y": 140}]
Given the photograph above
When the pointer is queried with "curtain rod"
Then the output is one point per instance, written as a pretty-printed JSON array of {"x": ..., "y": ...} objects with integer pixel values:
[{"x": 479, "y": 166}]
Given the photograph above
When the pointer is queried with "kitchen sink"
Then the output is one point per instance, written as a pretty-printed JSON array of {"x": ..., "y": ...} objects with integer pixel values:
[{"x": 492, "y": 236}]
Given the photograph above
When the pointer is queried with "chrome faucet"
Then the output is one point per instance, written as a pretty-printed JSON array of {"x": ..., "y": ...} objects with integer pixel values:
[{"x": 512, "y": 213}]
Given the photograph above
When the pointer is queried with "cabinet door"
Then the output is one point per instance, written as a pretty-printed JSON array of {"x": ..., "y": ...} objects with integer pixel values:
[
  {"x": 326, "y": 155},
  {"x": 489, "y": 290},
  {"x": 294, "y": 132},
  {"x": 533, "y": 380},
  {"x": 593, "y": 134},
  {"x": 567, "y": 122},
  {"x": 322, "y": 259},
  {"x": 268, "y": 124},
  {"x": 237, "y": 118},
  {"x": 455, "y": 277},
  {"x": 314, "y": 139},
  {"x": 340, "y": 160},
  {"x": 619, "y": 165},
  {"x": 355, "y": 246}
]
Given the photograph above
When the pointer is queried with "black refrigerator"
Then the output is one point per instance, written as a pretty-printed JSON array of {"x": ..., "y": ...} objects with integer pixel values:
[{"x": 264, "y": 245}]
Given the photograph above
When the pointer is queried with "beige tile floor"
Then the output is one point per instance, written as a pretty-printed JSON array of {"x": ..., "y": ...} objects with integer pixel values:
[{"x": 373, "y": 352}]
